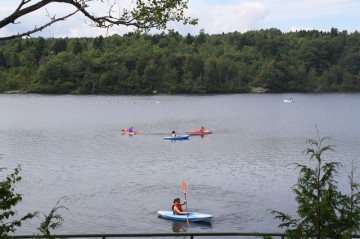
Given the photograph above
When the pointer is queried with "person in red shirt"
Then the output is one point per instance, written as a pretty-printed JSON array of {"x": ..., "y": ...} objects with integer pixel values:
[{"x": 176, "y": 207}]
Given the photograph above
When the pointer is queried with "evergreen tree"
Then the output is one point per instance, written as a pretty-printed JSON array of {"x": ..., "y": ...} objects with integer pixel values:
[{"x": 323, "y": 211}]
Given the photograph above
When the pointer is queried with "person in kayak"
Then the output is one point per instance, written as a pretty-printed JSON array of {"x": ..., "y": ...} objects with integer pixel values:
[
  {"x": 173, "y": 134},
  {"x": 176, "y": 207},
  {"x": 130, "y": 129},
  {"x": 202, "y": 129}
]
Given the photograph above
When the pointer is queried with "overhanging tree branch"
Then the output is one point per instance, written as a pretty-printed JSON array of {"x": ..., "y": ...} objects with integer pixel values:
[
  {"x": 37, "y": 29},
  {"x": 145, "y": 14}
]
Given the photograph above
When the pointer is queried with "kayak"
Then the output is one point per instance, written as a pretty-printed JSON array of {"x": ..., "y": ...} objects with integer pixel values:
[
  {"x": 288, "y": 101},
  {"x": 193, "y": 216},
  {"x": 179, "y": 137},
  {"x": 198, "y": 132},
  {"x": 125, "y": 131}
]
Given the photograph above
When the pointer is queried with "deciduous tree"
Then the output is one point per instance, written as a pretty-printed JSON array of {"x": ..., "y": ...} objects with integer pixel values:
[
  {"x": 143, "y": 15},
  {"x": 9, "y": 198}
]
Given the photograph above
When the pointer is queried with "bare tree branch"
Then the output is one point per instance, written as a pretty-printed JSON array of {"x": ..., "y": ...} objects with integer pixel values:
[
  {"x": 37, "y": 29},
  {"x": 144, "y": 15}
]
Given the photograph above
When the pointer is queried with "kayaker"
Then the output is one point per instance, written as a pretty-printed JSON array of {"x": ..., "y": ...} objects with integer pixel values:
[
  {"x": 202, "y": 129},
  {"x": 173, "y": 134},
  {"x": 176, "y": 207},
  {"x": 130, "y": 129}
]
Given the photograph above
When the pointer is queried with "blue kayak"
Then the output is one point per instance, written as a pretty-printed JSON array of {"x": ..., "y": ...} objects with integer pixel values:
[
  {"x": 179, "y": 137},
  {"x": 193, "y": 216}
]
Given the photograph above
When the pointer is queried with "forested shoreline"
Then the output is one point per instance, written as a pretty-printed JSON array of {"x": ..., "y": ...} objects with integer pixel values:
[{"x": 303, "y": 61}]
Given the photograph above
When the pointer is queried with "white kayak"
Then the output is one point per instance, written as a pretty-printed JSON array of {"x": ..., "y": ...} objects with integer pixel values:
[
  {"x": 288, "y": 101},
  {"x": 193, "y": 216}
]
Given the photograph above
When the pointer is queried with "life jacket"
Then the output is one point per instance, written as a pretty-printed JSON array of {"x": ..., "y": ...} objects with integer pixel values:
[{"x": 178, "y": 207}]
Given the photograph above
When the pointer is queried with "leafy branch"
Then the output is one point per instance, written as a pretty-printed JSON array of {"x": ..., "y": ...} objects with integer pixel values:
[
  {"x": 146, "y": 14},
  {"x": 9, "y": 199},
  {"x": 53, "y": 220}
]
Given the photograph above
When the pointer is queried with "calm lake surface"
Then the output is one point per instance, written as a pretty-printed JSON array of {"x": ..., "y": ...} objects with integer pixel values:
[{"x": 71, "y": 146}]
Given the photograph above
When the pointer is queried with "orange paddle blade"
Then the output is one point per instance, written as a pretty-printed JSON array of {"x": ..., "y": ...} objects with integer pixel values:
[{"x": 184, "y": 186}]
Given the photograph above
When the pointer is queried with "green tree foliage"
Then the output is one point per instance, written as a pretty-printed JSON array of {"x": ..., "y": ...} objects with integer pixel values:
[
  {"x": 9, "y": 220},
  {"x": 135, "y": 63},
  {"x": 323, "y": 210},
  {"x": 53, "y": 220},
  {"x": 141, "y": 14},
  {"x": 8, "y": 200}
]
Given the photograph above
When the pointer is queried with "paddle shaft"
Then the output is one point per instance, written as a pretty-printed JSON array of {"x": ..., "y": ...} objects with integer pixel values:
[
  {"x": 187, "y": 213},
  {"x": 186, "y": 202},
  {"x": 184, "y": 189}
]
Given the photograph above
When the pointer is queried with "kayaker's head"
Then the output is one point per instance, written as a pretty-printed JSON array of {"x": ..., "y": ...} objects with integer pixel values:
[{"x": 176, "y": 200}]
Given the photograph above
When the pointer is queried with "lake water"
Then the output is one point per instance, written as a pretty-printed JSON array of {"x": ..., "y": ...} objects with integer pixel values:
[{"x": 70, "y": 146}]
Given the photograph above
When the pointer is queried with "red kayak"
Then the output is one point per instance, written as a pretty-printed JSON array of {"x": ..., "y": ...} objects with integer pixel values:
[
  {"x": 125, "y": 131},
  {"x": 198, "y": 132}
]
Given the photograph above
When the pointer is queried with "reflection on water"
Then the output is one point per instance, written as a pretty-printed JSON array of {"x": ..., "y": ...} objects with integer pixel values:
[
  {"x": 71, "y": 146},
  {"x": 200, "y": 136},
  {"x": 179, "y": 226}
]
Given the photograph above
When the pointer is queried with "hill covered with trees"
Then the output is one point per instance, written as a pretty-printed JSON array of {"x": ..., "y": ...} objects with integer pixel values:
[{"x": 303, "y": 61}]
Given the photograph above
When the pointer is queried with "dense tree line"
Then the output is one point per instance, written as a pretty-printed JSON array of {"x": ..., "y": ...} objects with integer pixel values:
[{"x": 303, "y": 61}]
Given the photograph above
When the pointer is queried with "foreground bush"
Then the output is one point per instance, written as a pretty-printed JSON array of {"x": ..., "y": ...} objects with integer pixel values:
[{"x": 323, "y": 210}]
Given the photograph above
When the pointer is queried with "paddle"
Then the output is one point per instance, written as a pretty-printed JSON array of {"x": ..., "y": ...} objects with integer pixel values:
[{"x": 184, "y": 189}]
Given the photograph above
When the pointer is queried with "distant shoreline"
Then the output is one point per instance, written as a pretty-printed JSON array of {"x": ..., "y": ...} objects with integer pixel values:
[{"x": 253, "y": 90}]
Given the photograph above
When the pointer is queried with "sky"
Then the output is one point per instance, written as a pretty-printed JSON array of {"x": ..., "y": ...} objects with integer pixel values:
[{"x": 215, "y": 17}]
